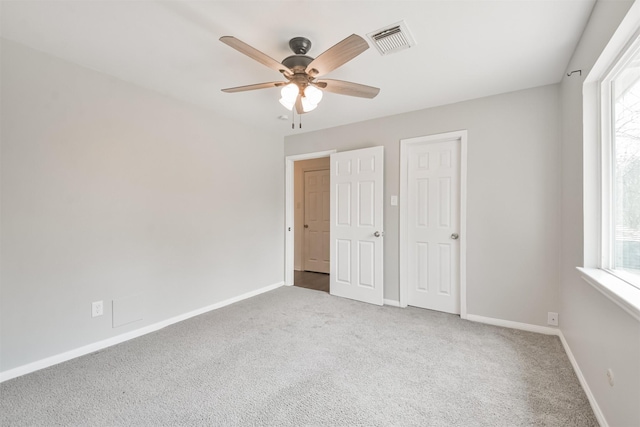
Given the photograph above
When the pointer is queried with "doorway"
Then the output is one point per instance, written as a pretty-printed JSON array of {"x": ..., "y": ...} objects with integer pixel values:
[
  {"x": 311, "y": 223},
  {"x": 291, "y": 233},
  {"x": 356, "y": 242}
]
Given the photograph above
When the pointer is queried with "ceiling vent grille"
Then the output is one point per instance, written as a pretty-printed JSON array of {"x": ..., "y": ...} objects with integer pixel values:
[{"x": 392, "y": 39}]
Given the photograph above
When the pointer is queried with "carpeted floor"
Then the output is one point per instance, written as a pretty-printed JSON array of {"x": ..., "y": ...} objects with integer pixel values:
[{"x": 294, "y": 357}]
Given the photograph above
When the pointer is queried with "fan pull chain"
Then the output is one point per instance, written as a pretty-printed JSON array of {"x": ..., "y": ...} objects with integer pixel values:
[{"x": 300, "y": 120}]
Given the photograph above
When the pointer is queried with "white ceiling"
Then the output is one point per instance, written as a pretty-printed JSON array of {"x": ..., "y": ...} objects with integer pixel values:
[{"x": 464, "y": 50}]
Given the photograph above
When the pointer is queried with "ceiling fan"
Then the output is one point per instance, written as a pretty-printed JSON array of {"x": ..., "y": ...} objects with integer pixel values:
[{"x": 302, "y": 90}]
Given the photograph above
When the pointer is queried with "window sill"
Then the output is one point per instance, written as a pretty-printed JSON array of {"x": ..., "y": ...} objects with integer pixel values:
[{"x": 617, "y": 290}]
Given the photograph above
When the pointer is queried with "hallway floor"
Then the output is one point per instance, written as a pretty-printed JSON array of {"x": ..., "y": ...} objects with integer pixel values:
[{"x": 310, "y": 280}]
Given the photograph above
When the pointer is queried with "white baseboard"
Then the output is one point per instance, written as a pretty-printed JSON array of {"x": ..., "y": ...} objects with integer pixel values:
[
  {"x": 514, "y": 325},
  {"x": 583, "y": 382},
  {"x": 81, "y": 351},
  {"x": 391, "y": 302}
]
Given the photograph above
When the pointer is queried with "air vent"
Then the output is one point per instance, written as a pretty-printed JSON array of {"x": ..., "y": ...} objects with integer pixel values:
[{"x": 392, "y": 39}]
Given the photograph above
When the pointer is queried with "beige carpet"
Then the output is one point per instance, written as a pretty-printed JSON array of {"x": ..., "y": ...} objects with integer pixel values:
[{"x": 295, "y": 357}]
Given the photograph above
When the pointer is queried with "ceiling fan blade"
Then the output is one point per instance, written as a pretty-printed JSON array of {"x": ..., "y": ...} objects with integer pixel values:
[
  {"x": 337, "y": 55},
  {"x": 254, "y": 53},
  {"x": 347, "y": 88},
  {"x": 254, "y": 87},
  {"x": 299, "y": 108}
]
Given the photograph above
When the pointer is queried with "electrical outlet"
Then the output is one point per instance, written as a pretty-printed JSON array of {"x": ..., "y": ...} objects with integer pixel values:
[
  {"x": 610, "y": 377},
  {"x": 97, "y": 309},
  {"x": 552, "y": 318}
]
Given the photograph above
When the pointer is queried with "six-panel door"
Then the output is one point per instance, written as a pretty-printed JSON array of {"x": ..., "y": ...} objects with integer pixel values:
[
  {"x": 433, "y": 218},
  {"x": 357, "y": 225},
  {"x": 316, "y": 221}
]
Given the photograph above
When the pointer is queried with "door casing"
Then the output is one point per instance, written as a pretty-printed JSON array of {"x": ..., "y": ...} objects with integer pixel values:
[{"x": 404, "y": 238}]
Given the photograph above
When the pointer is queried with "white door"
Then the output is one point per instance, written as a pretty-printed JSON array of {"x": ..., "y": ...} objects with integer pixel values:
[
  {"x": 356, "y": 226},
  {"x": 316, "y": 221},
  {"x": 433, "y": 225}
]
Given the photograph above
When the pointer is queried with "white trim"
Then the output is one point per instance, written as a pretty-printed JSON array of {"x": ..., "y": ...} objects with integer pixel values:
[
  {"x": 605, "y": 199},
  {"x": 289, "y": 231},
  {"x": 625, "y": 32},
  {"x": 583, "y": 382},
  {"x": 460, "y": 135},
  {"x": 391, "y": 302},
  {"x": 617, "y": 290},
  {"x": 547, "y": 330},
  {"x": 90, "y": 348},
  {"x": 463, "y": 224}
]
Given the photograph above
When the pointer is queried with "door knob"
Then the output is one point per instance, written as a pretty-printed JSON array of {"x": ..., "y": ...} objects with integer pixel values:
[
  {"x": 455, "y": 236},
  {"x": 378, "y": 234},
  {"x": 306, "y": 226}
]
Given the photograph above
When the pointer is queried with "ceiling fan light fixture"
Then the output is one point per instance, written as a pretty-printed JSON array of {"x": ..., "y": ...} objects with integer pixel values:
[
  {"x": 313, "y": 94},
  {"x": 286, "y": 104},
  {"x": 301, "y": 91},
  {"x": 307, "y": 105},
  {"x": 289, "y": 95}
]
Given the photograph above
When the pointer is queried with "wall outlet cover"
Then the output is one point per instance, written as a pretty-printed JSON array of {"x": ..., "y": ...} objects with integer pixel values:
[
  {"x": 552, "y": 318},
  {"x": 97, "y": 308}
]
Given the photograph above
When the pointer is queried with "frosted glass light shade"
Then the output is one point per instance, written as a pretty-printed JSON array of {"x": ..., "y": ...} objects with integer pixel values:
[
  {"x": 313, "y": 94},
  {"x": 290, "y": 92},
  {"x": 310, "y": 99},
  {"x": 289, "y": 95},
  {"x": 286, "y": 104},
  {"x": 307, "y": 105}
]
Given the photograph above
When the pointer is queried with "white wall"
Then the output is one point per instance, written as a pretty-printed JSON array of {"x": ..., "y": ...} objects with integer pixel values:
[
  {"x": 513, "y": 194},
  {"x": 600, "y": 334},
  {"x": 109, "y": 190},
  {"x": 299, "y": 168}
]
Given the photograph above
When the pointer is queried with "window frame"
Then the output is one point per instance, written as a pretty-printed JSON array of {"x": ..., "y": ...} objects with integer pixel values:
[
  {"x": 606, "y": 171},
  {"x": 621, "y": 293}
]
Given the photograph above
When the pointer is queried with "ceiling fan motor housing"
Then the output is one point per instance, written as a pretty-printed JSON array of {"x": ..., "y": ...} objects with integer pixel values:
[{"x": 297, "y": 63}]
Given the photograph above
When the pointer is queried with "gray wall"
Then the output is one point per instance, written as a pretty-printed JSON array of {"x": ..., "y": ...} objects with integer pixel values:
[
  {"x": 110, "y": 190},
  {"x": 513, "y": 194},
  {"x": 600, "y": 334}
]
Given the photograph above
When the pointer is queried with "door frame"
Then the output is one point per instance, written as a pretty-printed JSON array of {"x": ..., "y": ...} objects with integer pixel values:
[
  {"x": 289, "y": 230},
  {"x": 460, "y": 135}
]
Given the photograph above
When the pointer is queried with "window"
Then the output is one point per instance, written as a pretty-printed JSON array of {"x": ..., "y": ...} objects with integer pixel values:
[
  {"x": 610, "y": 136},
  {"x": 620, "y": 92}
]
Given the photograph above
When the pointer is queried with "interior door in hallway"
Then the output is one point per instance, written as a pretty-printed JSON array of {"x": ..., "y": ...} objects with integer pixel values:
[
  {"x": 316, "y": 221},
  {"x": 433, "y": 224},
  {"x": 357, "y": 225}
]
